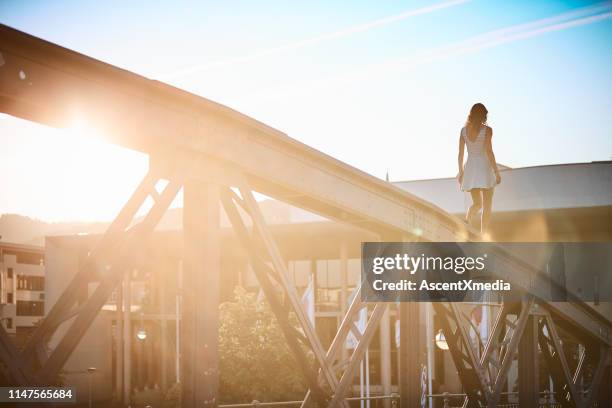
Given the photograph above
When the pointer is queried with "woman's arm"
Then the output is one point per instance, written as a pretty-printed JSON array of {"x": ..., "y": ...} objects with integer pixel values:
[
  {"x": 460, "y": 158},
  {"x": 491, "y": 155}
]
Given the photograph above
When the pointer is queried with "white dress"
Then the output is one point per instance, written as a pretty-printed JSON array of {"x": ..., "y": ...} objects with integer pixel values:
[{"x": 477, "y": 172}]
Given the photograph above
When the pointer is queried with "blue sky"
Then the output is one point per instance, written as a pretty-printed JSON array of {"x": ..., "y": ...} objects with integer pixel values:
[{"x": 382, "y": 85}]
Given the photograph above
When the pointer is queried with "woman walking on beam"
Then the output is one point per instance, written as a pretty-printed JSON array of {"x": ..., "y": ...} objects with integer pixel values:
[{"x": 480, "y": 174}]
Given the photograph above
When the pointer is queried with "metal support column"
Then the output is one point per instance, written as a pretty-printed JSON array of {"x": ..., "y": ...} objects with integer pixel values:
[
  {"x": 343, "y": 287},
  {"x": 200, "y": 319},
  {"x": 127, "y": 338},
  {"x": 528, "y": 378},
  {"x": 385, "y": 355},
  {"x": 410, "y": 336},
  {"x": 119, "y": 355},
  {"x": 163, "y": 331}
]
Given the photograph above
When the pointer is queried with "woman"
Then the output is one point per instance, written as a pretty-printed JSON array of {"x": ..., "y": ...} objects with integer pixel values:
[{"x": 480, "y": 174}]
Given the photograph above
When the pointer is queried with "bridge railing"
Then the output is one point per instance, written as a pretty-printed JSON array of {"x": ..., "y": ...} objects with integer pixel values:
[
  {"x": 441, "y": 400},
  {"x": 376, "y": 401},
  {"x": 455, "y": 400}
]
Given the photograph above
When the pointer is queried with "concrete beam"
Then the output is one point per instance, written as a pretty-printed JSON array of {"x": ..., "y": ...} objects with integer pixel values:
[{"x": 62, "y": 87}]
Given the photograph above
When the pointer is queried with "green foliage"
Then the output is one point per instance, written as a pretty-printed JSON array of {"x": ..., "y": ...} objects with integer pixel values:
[{"x": 255, "y": 362}]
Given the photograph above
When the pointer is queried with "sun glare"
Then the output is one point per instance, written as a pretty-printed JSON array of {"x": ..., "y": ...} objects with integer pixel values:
[
  {"x": 71, "y": 174},
  {"x": 80, "y": 127},
  {"x": 97, "y": 177}
]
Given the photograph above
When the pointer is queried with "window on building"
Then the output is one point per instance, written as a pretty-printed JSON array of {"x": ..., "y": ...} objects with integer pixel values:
[
  {"x": 30, "y": 308},
  {"x": 29, "y": 258},
  {"x": 9, "y": 323},
  {"x": 328, "y": 284},
  {"x": 9, "y": 298},
  {"x": 354, "y": 272},
  {"x": 36, "y": 283},
  {"x": 26, "y": 282},
  {"x": 300, "y": 272},
  {"x": 9, "y": 273}
]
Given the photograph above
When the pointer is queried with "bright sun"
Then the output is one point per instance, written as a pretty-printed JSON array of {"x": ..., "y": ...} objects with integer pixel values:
[{"x": 70, "y": 174}]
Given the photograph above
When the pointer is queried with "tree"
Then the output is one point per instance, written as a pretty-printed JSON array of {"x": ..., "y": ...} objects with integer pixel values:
[{"x": 255, "y": 362}]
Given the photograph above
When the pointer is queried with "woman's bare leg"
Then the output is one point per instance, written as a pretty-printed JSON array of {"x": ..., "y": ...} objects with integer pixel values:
[
  {"x": 476, "y": 204},
  {"x": 487, "y": 198}
]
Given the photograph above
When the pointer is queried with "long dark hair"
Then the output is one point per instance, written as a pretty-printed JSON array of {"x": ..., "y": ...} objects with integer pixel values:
[{"x": 477, "y": 117}]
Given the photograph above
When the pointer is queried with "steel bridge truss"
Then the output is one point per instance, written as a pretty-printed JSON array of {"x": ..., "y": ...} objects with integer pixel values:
[
  {"x": 520, "y": 330},
  {"x": 324, "y": 386},
  {"x": 328, "y": 377},
  {"x": 219, "y": 157},
  {"x": 114, "y": 253}
]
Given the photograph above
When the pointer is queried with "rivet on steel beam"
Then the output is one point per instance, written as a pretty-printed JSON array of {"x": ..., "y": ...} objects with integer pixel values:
[{"x": 22, "y": 74}]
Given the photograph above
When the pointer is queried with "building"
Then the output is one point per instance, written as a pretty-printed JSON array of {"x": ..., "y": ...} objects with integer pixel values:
[
  {"x": 22, "y": 288},
  {"x": 563, "y": 202},
  {"x": 570, "y": 202}
]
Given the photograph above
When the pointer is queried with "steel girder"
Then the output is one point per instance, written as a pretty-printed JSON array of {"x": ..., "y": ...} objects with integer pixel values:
[
  {"x": 483, "y": 368},
  {"x": 15, "y": 367},
  {"x": 577, "y": 388},
  {"x": 154, "y": 118},
  {"x": 483, "y": 376},
  {"x": 113, "y": 254},
  {"x": 105, "y": 265},
  {"x": 324, "y": 387}
]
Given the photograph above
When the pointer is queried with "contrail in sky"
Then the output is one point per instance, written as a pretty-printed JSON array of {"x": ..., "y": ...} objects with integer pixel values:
[
  {"x": 315, "y": 40},
  {"x": 509, "y": 35},
  {"x": 576, "y": 18}
]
